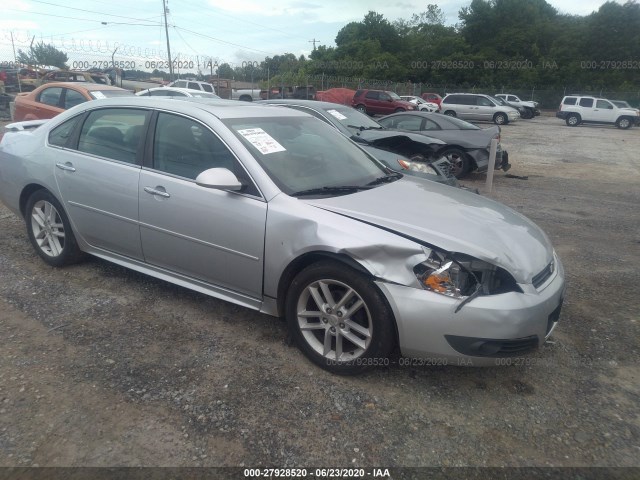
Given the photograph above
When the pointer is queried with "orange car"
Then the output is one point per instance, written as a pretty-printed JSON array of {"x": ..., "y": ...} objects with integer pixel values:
[{"x": 51, "y": 99}]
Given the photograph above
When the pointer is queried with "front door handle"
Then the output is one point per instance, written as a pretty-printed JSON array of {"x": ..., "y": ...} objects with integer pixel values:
[
  {"x": 154, "y": 191},
  {"x": 66, "y": 166}
]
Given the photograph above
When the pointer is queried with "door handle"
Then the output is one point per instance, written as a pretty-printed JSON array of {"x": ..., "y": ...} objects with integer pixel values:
[
  {"x": 66, "y": 166},
  {"x": 154, "y": 191}
]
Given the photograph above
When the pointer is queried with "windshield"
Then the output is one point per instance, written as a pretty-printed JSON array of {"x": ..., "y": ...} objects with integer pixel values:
[
  {"x": 349, "y": 120},
  {"x": 394, "y": 95},
  {"x": 302, "y": 153},
  {"x": 199, "y": 94},
  {"x": 620, "y": 103}
]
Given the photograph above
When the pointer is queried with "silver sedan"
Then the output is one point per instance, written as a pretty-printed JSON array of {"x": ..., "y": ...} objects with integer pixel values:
[{"x": 274, "y": 210}]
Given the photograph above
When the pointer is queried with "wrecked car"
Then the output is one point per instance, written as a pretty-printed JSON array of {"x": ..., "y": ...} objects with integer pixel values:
[
  {"x": 406, "y": 151},
  {"x": 468, "y": 145},
  {"x": 275, "y": 211}
]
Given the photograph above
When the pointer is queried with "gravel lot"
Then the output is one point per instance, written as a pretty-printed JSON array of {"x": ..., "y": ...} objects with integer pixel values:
[{"x": 102, "y": 366}]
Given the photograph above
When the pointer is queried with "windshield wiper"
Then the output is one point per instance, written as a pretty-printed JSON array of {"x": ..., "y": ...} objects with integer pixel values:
[
  {"x": 392, "y": 177},
  {"x": 329, "y": 190}
]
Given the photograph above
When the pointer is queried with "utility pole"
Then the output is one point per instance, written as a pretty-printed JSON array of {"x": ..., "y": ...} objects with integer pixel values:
[
  {"x": 166, "y": 30},
  {"x": 314, "y": 42}
]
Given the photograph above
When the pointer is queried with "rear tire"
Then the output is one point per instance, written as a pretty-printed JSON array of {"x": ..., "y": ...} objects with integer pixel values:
[
  {"x": 398, "y": 110},
  {"x": 339, "y": 319},
  {"x": 450, "y": 113},
  {"x": 362, "y": 108},
  {"x": 49, "y": 230}
]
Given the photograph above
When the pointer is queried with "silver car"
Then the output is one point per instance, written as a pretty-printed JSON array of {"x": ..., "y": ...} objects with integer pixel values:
[{"x": 274, "y": 210}]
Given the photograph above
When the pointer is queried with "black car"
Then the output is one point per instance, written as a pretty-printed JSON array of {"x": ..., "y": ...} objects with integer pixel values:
[
  {"x": 467, "y": 144},
  {"x": 407, "y": 152}
]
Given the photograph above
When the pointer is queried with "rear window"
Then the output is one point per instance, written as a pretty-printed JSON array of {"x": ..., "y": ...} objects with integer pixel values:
[
  {"x": 570, "y": 101},
  {"x": 110, "y": 93},
  {"x": 207, "y": 88}
]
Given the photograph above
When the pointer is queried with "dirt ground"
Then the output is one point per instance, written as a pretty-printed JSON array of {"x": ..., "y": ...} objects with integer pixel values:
[{"x": 101, "y": 366}]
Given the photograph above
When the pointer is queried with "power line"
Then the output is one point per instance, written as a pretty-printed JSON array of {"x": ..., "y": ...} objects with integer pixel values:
[
  {"x": 243, "y": 20},
  {"x": 222, "y": 41},
  {"x": 90, "y": 11}
]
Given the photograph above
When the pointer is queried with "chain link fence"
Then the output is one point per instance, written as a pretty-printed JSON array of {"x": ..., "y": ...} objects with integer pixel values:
[{"x": 139, "y": 64}]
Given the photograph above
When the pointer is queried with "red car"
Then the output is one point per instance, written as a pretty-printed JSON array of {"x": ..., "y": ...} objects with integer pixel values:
[
  {"x": 50, "y": 99},
  {"x": 380, "y": 102},
  {"x": 433, "y": 98}
]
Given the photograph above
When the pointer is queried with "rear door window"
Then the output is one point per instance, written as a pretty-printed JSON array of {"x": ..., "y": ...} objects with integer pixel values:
[
  {"x": 586, "y": 102},
  {"x": 113, "y": 133},
  {"x": 50, "y": 96},
  {"x": 570, "y": 101}
]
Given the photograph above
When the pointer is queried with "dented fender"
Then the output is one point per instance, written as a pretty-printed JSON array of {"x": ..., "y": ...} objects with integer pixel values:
[{"x": 386, "y": 256}]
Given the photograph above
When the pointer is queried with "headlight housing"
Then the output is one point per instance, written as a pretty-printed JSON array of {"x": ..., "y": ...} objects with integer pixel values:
[
  {"x": 459, "y": 276},
  {"x": 417, "y": 166}
]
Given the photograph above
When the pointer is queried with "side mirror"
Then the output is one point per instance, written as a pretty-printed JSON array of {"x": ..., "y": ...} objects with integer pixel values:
[{"x": 219, "y": 179}]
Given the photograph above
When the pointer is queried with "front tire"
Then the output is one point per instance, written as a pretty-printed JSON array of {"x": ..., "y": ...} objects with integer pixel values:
[
  {"x": 49, "y": 230},
  {"x": 398, "y": 110},
  {"x": 459, "y": 161},
  {"x": 450, "y": 113},
  {"x": 624, "y": 123},
  {"x": 500, "y": 119},
  {"x": 361, "y": 108},
  {"x": 339, "y": 319},
  {"x": 573, "y": 120}
]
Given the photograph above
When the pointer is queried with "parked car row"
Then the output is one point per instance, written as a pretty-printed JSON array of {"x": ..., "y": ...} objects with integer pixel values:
[{"x": 358, "y": 258}]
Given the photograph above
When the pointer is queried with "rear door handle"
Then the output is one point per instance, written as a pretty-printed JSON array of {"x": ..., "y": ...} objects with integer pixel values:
[
  {"x": 66, "y": 166},
  {"x": 154, "y": 191}
]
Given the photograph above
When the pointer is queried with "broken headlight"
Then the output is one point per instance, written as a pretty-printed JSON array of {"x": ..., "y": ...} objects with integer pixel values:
[
  {"x": 417, "y": 166},
  {"x": 459, "y": 275}
]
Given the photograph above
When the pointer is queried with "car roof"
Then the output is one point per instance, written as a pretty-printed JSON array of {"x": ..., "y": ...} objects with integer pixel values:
[
  {"x": 85, "y": 85},
  {"x": 175, "y": 89},
  {"x": 222, "y": 109}
]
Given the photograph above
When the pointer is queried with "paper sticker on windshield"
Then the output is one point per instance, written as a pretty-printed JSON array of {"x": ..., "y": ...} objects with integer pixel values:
[
  {"x": 260, "y": 139},
  {"x": 337, "y": 114},
  {"x": 98, "y": 95}
]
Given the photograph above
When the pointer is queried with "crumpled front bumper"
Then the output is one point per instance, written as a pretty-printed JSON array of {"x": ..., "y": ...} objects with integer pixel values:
[
  {"x": 429, "y": 328},
  {"x": 481, "y": 159}
]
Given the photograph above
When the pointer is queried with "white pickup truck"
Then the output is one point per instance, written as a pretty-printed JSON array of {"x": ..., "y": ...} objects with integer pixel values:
[{"x": 527, "y": 109}]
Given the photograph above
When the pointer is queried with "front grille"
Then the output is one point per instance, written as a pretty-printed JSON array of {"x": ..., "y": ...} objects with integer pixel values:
[
  {"x": 488, "y": 347},
  {"x": 544, "y": 274}
]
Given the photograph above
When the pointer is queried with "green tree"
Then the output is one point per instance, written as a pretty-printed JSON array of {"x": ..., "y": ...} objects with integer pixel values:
[{"x": 44, "y": 54}]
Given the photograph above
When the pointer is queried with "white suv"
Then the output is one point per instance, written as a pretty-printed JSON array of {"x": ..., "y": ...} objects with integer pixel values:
[{"x": 576, "y": 109}]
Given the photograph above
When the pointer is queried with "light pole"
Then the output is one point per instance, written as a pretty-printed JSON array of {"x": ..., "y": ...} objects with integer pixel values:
[{"x": 166, "y": 30}]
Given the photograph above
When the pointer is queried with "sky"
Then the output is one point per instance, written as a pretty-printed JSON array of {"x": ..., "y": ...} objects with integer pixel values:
[{"x": 200, "y": 31}]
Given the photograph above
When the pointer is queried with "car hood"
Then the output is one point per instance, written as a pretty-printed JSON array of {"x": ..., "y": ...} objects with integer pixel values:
[
  {"x": 450, "y": 219},
  {"x": 383, "y": 136}
]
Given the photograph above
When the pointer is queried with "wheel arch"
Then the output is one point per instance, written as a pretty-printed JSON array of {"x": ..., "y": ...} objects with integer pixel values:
[
  {"x": 26, "y": 193},
  {"x": 452, "y": 146},
  {"x": 303, "y": 261}
]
